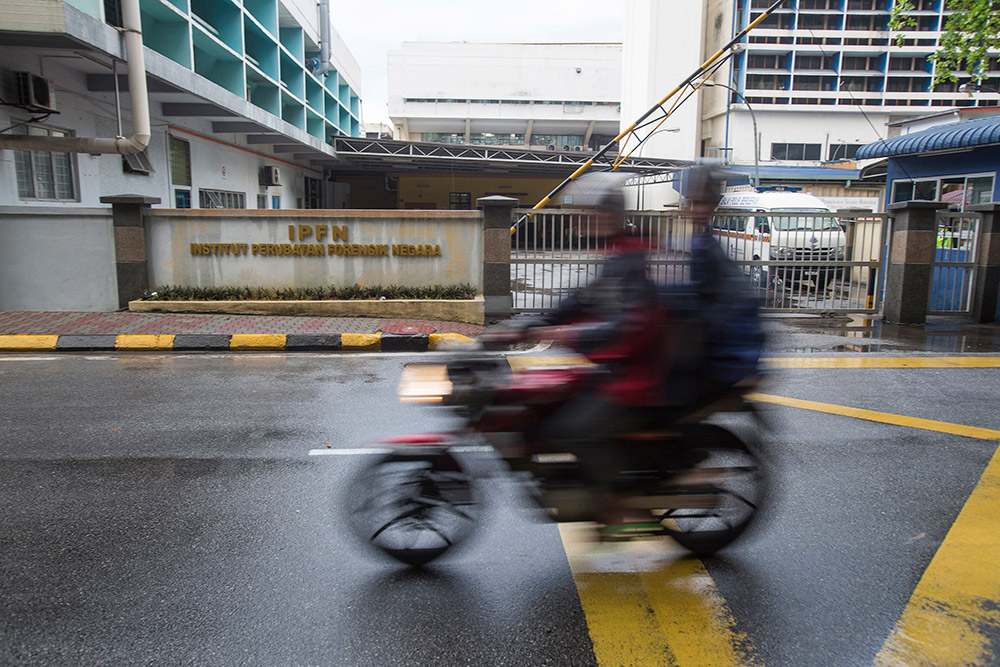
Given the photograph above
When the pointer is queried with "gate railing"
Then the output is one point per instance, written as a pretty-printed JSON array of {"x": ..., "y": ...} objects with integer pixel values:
[
  {"x": 805, "y": 261},
  {"x": 954, "y": 268}
]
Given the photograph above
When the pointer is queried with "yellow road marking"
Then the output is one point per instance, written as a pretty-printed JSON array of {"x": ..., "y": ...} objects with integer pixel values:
[
  {"x": 882, "y": 362},
  {"x": 648, "y": 602},
  {"x": 257, "y": 342},
  {"x": 364, "y": 341},
  {"x": 882, "y": 417},
  {"x": 449, "y": 341},
  {"x": 20, "y": 342},
  {"x": 144, "y": 342},
  {"x": 953, "y": 617}
]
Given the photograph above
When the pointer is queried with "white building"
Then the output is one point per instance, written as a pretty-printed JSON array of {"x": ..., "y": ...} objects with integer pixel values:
[
  {"x": 549, "y": 96},
  {"x": 821, "y": 78},
  {"x": 241, "y": 111}
]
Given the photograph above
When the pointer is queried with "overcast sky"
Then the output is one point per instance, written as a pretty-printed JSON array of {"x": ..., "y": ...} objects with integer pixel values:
[{"x": 372, "y": 28}]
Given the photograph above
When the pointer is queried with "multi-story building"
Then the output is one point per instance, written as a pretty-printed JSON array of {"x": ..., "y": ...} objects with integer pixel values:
[
  {"x": 244, "y": 97},
  {"x": 562, "y": 97},
  {"x": 815, "y": 81}
]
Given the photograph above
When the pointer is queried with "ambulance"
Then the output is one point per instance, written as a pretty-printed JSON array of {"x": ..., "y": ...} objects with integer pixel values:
[{"x": 769, "y": 225}]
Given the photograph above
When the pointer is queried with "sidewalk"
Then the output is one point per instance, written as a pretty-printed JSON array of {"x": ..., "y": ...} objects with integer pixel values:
[
  {"x": 22, "y": 330},
  {"x": 790, "y": 334}
]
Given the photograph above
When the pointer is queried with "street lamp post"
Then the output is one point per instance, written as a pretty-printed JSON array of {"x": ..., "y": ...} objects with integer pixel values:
[{"x": 756, "y": 137}]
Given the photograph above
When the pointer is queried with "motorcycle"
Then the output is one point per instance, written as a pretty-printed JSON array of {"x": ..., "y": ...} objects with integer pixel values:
[{"x": 694, "y": 481}]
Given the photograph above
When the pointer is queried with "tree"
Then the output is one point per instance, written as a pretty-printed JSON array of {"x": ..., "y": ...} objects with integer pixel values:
[{"x": 970, "y": 32}]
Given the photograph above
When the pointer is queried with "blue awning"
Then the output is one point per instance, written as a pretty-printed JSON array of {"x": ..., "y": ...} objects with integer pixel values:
[{"x": 952, "y": 136}]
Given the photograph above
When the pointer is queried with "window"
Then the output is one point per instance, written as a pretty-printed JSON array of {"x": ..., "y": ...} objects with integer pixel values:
[
  {"x": 180, "y": 161},
  {"x": 182, "y": 198},
  {"x": 843, "y": 151},
  {"x": 868, "y": 84},
  {"x": 44, "y": 174},
  {"x": 221, "y": 199},
  {"x": 906, "y": 84},
  {"x": 860, "y": 63},
  {"x": 460, "y": 201},
  {"x": 775, "y": 21},
  {"x": 314, "y": 193},
  {"x": 813, "y": 62},
  {"x": 868, "y": 5},
  {"x": 275, "y": 201},
  {"x": 815, "y": 83},
  {"x": 766, "y": 61},
  {"x": 492, "y": 139},
  {"x": 819, "y": 22},
  {"x": 878, "y": 22},
  {"x": 914, "y": 190},
  {"x": 137, "y": 163},
  {"x": 767, "y": 82},
  {"x": 261, "y": 201},
  {"x": 438, "y": 138},
  {"x": 908, "y": 64},
  {"x": 959, "y": 191},
  {"x": 795, "y": 151}
]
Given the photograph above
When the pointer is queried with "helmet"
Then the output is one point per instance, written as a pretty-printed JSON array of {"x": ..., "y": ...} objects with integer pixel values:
[
  {"x": 703, "y": 184},
  {"x": 601, "y": 190}
]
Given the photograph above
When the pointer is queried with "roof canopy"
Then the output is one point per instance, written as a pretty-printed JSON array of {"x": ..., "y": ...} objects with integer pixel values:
[{"x": 949, "y": 137}]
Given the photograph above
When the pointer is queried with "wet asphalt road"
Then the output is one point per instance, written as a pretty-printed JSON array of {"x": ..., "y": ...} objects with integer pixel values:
[{"x": 163, "y": 509}]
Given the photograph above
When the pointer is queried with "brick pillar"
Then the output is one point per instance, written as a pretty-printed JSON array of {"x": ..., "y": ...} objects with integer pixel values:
[
  {"x": 987, "y": 287},
  {"x": 497, "y": 219},
  {"x": 131, "y": 264},
  {"x": 908, "y": 274}
]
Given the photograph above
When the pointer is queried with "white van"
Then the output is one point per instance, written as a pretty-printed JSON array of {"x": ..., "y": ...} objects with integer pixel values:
[{"x": 775, "y": 225}]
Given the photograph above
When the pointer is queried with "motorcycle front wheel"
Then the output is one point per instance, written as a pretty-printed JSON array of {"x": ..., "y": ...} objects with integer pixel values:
[
  {"x": 726, "y": 496},
  {"x": 413, "y": 506}
]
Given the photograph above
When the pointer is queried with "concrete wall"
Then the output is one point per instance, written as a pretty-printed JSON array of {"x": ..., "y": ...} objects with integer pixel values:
[
  {"x": 397, "y": 242},
  {"x": 52, "y": 259}
]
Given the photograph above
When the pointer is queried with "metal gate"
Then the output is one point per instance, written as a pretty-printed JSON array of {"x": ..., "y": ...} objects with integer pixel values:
[
  {"x": 808, "y": 262},
  {"x": 953, "y": 272}
]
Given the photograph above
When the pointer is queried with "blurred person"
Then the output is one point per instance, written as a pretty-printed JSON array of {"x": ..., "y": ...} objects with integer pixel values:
[{"x": 664, "y": 349}]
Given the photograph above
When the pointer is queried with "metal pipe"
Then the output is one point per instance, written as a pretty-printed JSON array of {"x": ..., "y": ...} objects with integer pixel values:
[
  {"x": 324, "y": 38},
  {"x": 138, "y": 94}
]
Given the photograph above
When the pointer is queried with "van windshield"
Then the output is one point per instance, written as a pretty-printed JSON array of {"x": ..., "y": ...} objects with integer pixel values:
[{"x": 823, "y": 219}]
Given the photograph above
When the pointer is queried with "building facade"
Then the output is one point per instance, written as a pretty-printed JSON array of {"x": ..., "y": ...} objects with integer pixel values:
[
  {"x": 809, "y": 86},
  {"x": 562, "y": 97},
  {"x": 242, "y": 109}
]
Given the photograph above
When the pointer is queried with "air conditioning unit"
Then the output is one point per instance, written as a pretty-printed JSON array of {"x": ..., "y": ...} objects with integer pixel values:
[
  {"x": 565, "y": 148},
  {"x": 34, "y": 93},
  {"x": 578, "y": 149},
  {"x": 270, "y": 176},
  {"x": 551, "y": 147}
]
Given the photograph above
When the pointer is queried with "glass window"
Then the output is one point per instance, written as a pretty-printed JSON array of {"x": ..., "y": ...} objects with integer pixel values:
[
  {"x": 221, "y": 199},
  {"x": 44, "y": 174},
  {"x": 795, "y": 151},
  {"x": 460, "y": 201},
  {"x": 843, "y": 151},
  {"x": 979, "y": 190},
  {"x": 182, "y": 198},
  {"x": 180, "y": 161}
]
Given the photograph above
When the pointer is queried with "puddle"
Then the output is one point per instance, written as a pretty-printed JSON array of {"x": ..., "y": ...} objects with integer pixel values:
[{"x": 827, "y": 334}]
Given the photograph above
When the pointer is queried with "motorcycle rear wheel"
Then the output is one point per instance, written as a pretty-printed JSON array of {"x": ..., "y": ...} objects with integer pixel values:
[
  {"x": 737, "y": 488},
  {"x": 413, "y": 506}
]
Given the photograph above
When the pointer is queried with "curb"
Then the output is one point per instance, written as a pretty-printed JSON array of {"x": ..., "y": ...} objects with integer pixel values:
[{"x": 374, "y": 342}]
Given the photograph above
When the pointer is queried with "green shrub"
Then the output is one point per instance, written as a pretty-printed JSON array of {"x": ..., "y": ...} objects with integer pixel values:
[{"x": 312, "y": 293}]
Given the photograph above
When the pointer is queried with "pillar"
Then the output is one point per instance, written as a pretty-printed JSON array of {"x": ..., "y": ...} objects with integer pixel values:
[
  {"x": 987, "y": 287},
  {"x": 131, "y": 264},
  {"x": 908, "y": 273},
  {"x": 497, "y": 220}
]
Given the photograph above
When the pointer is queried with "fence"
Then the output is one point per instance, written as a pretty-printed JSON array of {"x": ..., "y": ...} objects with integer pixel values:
[{"x": 805, "y": 261}]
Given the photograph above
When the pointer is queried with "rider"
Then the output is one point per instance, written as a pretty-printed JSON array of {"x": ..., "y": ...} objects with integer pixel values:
[{"x": 658, "y": 346}]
